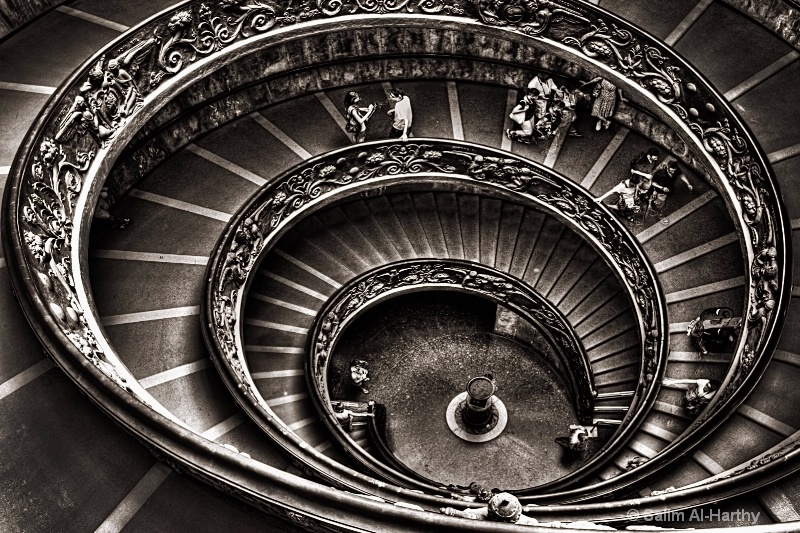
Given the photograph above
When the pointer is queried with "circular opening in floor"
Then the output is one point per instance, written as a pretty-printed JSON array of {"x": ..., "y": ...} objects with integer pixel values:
[{"x": 421, "y": 350}]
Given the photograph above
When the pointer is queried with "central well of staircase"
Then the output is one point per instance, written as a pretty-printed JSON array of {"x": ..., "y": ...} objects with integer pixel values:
[{"x": 422, "y": 349}]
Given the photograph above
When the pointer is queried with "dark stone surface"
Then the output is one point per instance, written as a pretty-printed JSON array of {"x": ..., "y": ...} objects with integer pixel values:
[
  {"x": 161, "y": 229},
  {"x": 422, "y": 349},
  {"x": 771, "y": 109},
  {"x": 145, "y": 286},
  {"x": 63, "y": 465},
  {"x": 787, "y": 171},
  {"x": 15, "y": 13},
  {"x": 701, "y": 226},
  {"x": 777, "y": 15},
  {"x": 200, "y": 510},
  {"x": 50, "y": 48},
  {"x": 729, "y": 47},
  {"x": 178, "y": 178},
  {"x": 21, "y": 106},
  {"x": 128, "y": 13},
  {"x": 655, "y": 16},
  {"x": 19, "y": 347},
  {"x": 148, "y": 348}
]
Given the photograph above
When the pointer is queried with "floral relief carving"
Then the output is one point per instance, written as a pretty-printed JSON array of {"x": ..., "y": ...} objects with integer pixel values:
[
  {"x": 532, "y": 17},
  {"x": 48, "y": 213},
  {"x": 643, "y": 63}
]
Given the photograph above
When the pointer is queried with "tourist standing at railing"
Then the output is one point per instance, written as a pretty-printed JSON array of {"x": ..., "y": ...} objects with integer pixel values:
[
  {"x": 523, "y": 116},
  {"x": 666, "y": 177},
  {"x": 357, "y": 117},
  {"x": 605, "y": 101},
  {"x": 643, "y": 167},
  {"x": 569, "y": 105},
  {"x": 402, "y": 115}
]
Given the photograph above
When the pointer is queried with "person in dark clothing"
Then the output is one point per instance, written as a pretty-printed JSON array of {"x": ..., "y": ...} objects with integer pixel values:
[
  {"x": 644, "y": 164},
  {"x": 666, "y": 176}
]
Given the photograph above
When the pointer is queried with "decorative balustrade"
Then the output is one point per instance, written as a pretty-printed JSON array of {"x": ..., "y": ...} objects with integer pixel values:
[
  {"x": 393, "y": 279},
  {"x": 373, "y": 168},
  {"x": 56, "y": 178}
]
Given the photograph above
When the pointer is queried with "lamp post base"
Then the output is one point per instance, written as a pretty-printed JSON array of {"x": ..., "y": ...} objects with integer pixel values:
[{"x": 483, "y": 433}]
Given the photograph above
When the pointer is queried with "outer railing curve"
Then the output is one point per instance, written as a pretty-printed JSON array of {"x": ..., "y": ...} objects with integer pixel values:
[{"x": 63, "y": 161}]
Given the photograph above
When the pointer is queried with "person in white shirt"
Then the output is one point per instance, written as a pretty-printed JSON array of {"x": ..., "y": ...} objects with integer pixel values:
[
  {"x": 402, "y": 115},
  {"x": 628, "y": 191}
]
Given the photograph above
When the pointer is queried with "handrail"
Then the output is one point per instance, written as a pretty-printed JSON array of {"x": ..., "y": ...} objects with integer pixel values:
[
  {"x": 380, "y": 165},
  {"x": 393, "y": 279},
  {"x": 376, "y": 426},
  {"x": 57, "y": 174}
]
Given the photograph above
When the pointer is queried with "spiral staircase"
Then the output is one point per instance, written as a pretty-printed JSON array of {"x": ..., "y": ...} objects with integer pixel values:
[{"x": 174, "y": 408}]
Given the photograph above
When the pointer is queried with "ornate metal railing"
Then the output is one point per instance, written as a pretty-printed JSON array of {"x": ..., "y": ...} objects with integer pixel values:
[
  {"x": 394, "y": 279},
  {"x": 378, "y": 167},
  {"x": 56, "y": 178}
]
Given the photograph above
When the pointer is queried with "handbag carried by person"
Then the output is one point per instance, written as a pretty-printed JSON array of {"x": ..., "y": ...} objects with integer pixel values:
[{"x": 517, "y": 116}]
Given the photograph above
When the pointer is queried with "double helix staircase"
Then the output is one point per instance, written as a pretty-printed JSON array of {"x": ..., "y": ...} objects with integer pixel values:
[{"x": 66, "y": 466}]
